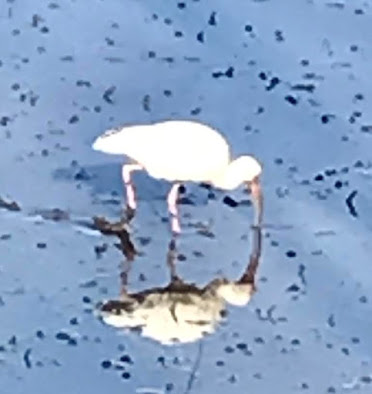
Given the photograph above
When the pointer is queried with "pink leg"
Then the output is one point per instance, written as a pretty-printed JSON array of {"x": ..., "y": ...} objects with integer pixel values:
[
  {"x": 172, "y": 208},
  {"x": 126, "y": 172}
]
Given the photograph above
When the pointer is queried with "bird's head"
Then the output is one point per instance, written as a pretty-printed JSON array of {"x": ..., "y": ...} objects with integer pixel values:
[
  {"x": 247, "y": 168},
  {"x": 244, "y": 169}
]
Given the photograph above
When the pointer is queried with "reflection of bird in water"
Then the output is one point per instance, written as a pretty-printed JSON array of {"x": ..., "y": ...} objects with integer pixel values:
[
  {"x": 181, "y": 151},
  {"x": 180, "y": 312}
]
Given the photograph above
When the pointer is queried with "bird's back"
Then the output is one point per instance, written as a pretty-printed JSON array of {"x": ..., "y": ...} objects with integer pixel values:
[{"x": 172, "y": 150}]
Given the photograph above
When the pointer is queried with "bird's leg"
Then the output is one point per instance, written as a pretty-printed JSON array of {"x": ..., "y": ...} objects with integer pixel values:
[
  {"x": 172, "y": 208},
  {"x": 126, "y": 266},
  {"x": 257, "y": 198},
  {"x": 171, "y": 257},
  {"x": 131, "y": 196}
]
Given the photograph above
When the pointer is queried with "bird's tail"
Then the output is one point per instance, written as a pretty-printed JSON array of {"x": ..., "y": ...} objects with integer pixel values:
[{"x": 108, "y": 143}]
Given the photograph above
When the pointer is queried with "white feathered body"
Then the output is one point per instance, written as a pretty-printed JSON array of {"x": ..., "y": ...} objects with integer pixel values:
[{"x": 171, "y": 150}]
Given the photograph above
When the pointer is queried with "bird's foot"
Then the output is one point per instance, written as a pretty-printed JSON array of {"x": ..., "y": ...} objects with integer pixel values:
[{"x": 109, "y": 228}]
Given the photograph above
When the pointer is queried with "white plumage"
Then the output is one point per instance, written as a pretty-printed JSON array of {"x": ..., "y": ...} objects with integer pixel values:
[{"x": 179, "y": 151}]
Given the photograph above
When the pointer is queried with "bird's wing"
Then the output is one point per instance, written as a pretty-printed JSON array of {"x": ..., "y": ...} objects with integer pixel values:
[
  {"x": 171, "y": 150},
  {"x": 184, "y": 151}
]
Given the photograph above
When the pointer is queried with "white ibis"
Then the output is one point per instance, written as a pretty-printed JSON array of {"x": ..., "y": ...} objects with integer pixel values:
[{"x": 181, "y": 151}]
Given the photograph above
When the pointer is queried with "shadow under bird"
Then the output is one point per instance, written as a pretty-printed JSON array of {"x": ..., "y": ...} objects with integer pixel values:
[{"x": 181, "y": 151}]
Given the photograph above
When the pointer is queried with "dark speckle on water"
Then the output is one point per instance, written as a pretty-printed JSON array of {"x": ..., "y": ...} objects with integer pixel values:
[
  {"x": 100, "y": 249},
  {"x": 181, "y": 257},
  {"x": 105, "y": 364},
  {"x": 126, "y": 359},
  {"x": 259, "y": 340},
  {"x": 345, "y": 351},
  {"x": 161, "y": 360},
  {"x": 195, "y": 111},
  {"x": 27, "y": 358},
  {"x": 185, "y": 201},
  {"x": 366, "y": 128},
  {"x": 331, "y": 321},
  {"x": 291, "y": 253},
  {"x": 326, "y": 118},
  {"x": 363, "y": 299},
  {"x": 9, "y": 205},
  {"x": 230, "y": 202},
  {"x": 89, "y": 284},
  {"x": 291, "y": 100},
  {"x": 262, "y": 75},
  {"x": 107, "y": 94},
  {"x": 86, "y": 300},
  {"x": 330, "y": 172},
  {"x": 279, "y": 161},
  {"x": 73, "y": 119},
  {"x": 4, "y": 120},
  {"x": 293, "y": 288},
  {"x": 212, "y": 19},
  {"x": 229, "y": 349},
  {"x": 273, "y": 83},
  {"x": 304, "y": 87},
  {"x": 62, "y": 336},
  {"x": 74, "y": 321},
  {"x": 82, "y": 175},
  {"x": 232, "y": 379},
  {"x": 229, "y": 73},
  {"x": 350, "y": 203},
  {"x": 125, "y": 375},
  {"x": 81, "y": 82},
  {"x": 279, "y": 35},
  {"x": 72, "y": 342},
  {"x": 144, "y": 241},
  {"x": 146, "y": 103},
  {"x": 366, "y": 379},
  {"x": 200, "y": 36}
]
